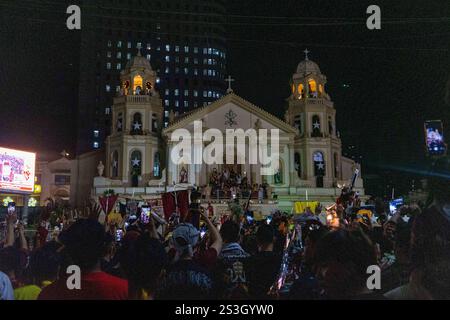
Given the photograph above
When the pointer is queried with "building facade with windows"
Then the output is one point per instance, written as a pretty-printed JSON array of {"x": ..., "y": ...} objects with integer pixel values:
[{"x": 184, "y": 41}]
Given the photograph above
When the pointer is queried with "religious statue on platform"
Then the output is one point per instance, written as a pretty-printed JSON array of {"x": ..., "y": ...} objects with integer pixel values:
[
  {"x": 183, "y": 175},
  {"x": 100, "y": 169}
]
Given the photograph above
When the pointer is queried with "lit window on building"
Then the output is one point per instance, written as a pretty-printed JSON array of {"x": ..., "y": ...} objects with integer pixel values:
[
  {"x": 167, "y": 58},
  {"x": 195, "y": 93},
  {"x": 109, "y": 43},
  {"x": 138, "y": 45},
  {"x": 186, "y": 104},
  {"x": 167, "y": 92},
  {"x": 195, "y": 72},
  {"x": 209, "y": 94},
  {"x": 119, "y": 66},
  {"x": 186, "y": 60},
  {"x": 107, "y": 110},
  {"x": 186, "y": 93},
  {"x": 108, "y": 88},
  {"x": 166, "y": 103},
  {"x": 96, "y": 133},
  {"x": 166, "y": 124},
  {"x": 205, "y": 94},
  {"x": 95, "y": 145},
  {"x": 108, "y": 65},
  {"x": 149, "y": 56},
  {"x": 177, "y": 92},
  {"x": 205, "y": 50},
  {"x": 177, "y": 48},
  {"x": 195, "y": 60},
  {"x": 119, "y": 55},
  {"x": 119, "y": 44},
  {"x": 186, "y": 49},
  {"x": 167, "y": 70},
  {"x": 158, "y": 26},
  {"x": 186, "y": 71},
  {"x": 166, "y": 113},
  {"x": 109, "y": 54},
  {"x": 117, "y": 88},
  {"x": 177, "y": 70},
  {"x": 128, "y": 56},
  {"x": 195, "y": 49},
  {"x": 168, "y": 47},
  {"x": 177, "y": 103},
  {"x": 149, "y": 46},
  {"x": 129, "y": 45}
]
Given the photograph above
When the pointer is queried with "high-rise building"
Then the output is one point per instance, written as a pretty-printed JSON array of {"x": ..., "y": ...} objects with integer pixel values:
[{"x": 184, "y": 42}]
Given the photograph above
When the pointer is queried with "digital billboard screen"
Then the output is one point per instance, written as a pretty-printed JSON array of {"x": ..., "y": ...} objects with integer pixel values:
[{"x": 17, "y": 171}]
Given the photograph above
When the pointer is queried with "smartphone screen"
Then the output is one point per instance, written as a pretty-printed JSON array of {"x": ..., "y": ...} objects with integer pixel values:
[
  {"x": 11, "y": 207},
  {"x": 434, "y": 138},
  {"x": 119, "y": 235},
  {"x": 145, "y": 215}
]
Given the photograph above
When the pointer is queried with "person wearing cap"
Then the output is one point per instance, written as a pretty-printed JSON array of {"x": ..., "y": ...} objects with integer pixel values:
[{"x": 189, "y": 277}]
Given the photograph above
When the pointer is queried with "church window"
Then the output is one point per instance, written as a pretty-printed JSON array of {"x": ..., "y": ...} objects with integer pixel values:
[
  {"x": 154, "y": 122},
  {"x": 316, "y": 130},
  {"x": 336, "y": 168},
  {"x": 297, "y": 164},
  {"x": 319, "y": 168},
  {"x": 156, "y": 165},
  {"x": 301, "y": 91},
  {"x": 136, "y": 163},
  {"x": 115, "y": 164},
  {"x": 137, "y": 84},
  {"x": 312, "y": 86},
  {"x": 330, "y": 126},
  {"x": 136, "y": 126},
  {"x": 298, "y": 123}
]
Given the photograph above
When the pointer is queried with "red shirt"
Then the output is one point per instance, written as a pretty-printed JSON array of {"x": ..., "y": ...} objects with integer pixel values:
[{"x": 94, "y": 286}]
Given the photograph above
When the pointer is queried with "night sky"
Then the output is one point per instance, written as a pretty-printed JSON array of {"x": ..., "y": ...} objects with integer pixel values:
[{"x": 395, "y": 77}]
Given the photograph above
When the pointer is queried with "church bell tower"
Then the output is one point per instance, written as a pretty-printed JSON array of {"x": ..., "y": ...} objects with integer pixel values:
[
  {"x": 133, "y": 148},
  {"x": 317, "y": 151}
]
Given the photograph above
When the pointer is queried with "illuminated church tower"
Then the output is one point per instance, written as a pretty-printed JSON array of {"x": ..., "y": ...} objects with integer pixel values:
[
  {"x": 317, "y": 148},
  {"x": 134, "y": 146}
]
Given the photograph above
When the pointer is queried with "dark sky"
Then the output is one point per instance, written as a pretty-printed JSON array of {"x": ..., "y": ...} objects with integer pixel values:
[{"x": 396, "y": 76}]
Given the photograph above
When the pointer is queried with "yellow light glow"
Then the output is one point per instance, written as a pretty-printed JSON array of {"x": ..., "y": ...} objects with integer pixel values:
[
  {"x": 312, "y": 85},
  {"x": 300, "y": 89},
  {"x": 137, "y": 82},
  {"x": 320, "y": 88},
  {"x": 37, "y": 188}
]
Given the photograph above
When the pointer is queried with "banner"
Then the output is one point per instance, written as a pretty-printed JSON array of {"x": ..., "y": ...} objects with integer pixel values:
[{"x": 301, "y": 206}]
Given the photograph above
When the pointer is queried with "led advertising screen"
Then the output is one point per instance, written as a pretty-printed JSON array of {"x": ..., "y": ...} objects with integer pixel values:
[
  {"x": 17, "y": 170},
  {"x": 434, "y": 138}
]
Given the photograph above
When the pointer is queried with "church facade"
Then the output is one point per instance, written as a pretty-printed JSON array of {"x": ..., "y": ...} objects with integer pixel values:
[{"x": 311, "y": 165}]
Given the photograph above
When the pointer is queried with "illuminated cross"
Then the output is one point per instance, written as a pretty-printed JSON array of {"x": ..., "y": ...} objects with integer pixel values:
[
  {"x": 229, "y": 80},
  {"x": 306, "y": 54}
]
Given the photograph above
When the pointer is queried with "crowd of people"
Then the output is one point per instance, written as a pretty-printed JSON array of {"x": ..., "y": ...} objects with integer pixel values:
[
  {"x": 228, "y": 184},
  {"x": 281, "y": 256}
]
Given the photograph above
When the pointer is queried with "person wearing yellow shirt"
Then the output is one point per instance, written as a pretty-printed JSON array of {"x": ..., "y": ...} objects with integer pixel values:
[{"x": 42, "y": 270}]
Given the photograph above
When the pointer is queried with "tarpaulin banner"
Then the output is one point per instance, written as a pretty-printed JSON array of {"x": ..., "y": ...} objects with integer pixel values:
[{"x": 301, "y": 206}]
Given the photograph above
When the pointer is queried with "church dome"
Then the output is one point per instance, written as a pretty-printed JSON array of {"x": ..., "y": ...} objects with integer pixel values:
[
  {"x": 138, "y": 61},
  {"x": 308, "y": 66}
]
